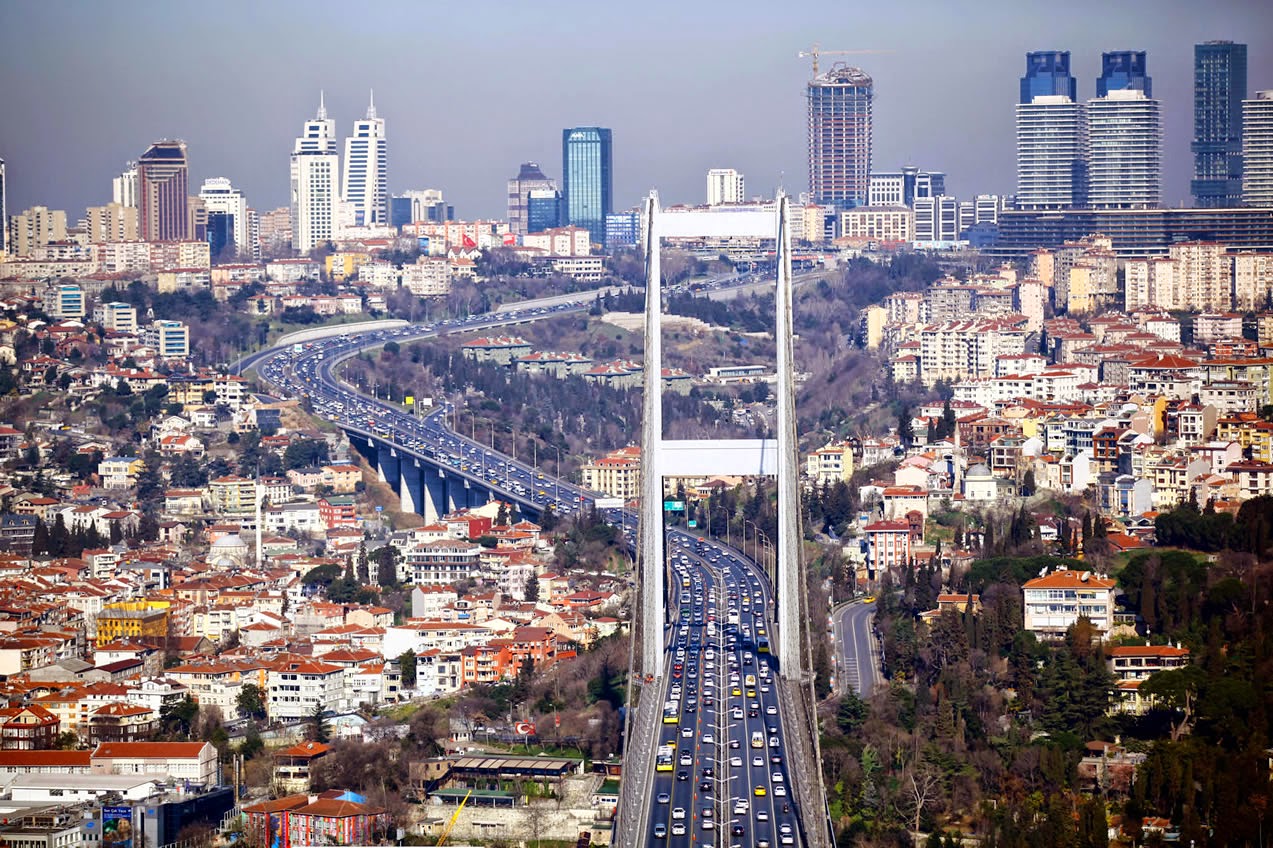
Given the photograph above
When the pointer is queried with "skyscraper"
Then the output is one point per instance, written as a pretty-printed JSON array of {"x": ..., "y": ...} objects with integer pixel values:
[
  {"x": 1051, "y": 153},
  {"x": 1124, "y": 160},
  {"x": 1219, "y": 86},
  {"x": 366, "y": 186},
  {"x": 724, "y": 185},
  {"x": 124, "y": 187},
  {"x": 227, "y": 217},
  {"x": 163, "y": 209},
  {"x": 586, "y": 170},
  {"x": 4, "y": 213},
  {"x": 1123, "y": 70},
  {"x": 1257, "y": 150},
  {"x": 315, "y": 169},
  {"x": 1047, "y": 74},
  {"x": 529, "y": 178},
  {"x": 840, "y": 136}
]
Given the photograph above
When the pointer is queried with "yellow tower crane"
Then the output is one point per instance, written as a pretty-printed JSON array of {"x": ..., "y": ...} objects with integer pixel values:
[
  {"x": 454, "y": 818},
  {"x": 815, "y": 51}
]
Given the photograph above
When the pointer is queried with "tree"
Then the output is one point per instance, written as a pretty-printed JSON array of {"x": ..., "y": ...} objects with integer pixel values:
[
  {"x": 319, "y": 728},
  {"x": 251, "y": 701},
  {"x": 178, "y": 718},
  {"x": 548, "y": 519},
  {"x": 532, "y": 589},
  {"x": 386, "y": 560},
  {"x": 919, "y": 791},
  {"x": 1176, "y": 690},
  {"x": 852, "y": 713},
  {"x": 407, "y": 664},
  {"x": 905, "y": 432},
  {"x": 502, "y": 517}
]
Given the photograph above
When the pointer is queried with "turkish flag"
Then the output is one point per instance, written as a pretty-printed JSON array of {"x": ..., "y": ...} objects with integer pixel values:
[{"x": 468, "y": 242}]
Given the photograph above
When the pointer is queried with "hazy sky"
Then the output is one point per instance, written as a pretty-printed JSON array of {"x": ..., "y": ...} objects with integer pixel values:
[{"x": 470, "y": 90}]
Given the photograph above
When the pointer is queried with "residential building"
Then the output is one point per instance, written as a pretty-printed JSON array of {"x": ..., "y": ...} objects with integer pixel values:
[
  {"x": 28, "y": 728},
  {"x": 169, "y": 339},
  {"x": 366, "y": 171},
  {"x": 1257, "y": 150},
  {"x": 1051, "y": 153},
  {"x": 888, "y": 545},
  {"x": 1124, "y": 142},
  {"x": 189, "y": 763},
  {"x": 1219, "y": 87},
  {"x": 293, "y": 766},
  {"x": 117, "y": 317},
  {"x": 830, "y": 464},
  {"x": 113, "y": 222},
  {"x": 618, "y": 474},
  {"x": 1055, "y": 602},
  {"x": 162, "y": 202},
  {"x": 34, "y": 228},
  {"x": 232, "y": 494},
  {"x": 878, "y": 223},
  {"x": 840, "y": 103},
  {"x": 315, "y": 183},
  {"x": 587, "y": 174},
  {"x": 296, "y": 688},
  {"x": 531, "y": 184},
  {"x": 724, "y": 185}
]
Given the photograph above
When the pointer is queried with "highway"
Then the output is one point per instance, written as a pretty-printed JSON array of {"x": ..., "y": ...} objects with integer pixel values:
[
  {"x": 856, "y": 664},
  {"x": 721, "y": 765}
]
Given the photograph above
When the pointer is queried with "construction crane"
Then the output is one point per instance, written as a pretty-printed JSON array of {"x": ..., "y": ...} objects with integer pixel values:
[
  {"x": 815, "y": 51},
  {"x": 454, "y": 818}
]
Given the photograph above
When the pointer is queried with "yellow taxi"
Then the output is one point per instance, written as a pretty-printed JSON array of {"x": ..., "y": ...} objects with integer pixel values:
[{"x": 761, "y": 791}]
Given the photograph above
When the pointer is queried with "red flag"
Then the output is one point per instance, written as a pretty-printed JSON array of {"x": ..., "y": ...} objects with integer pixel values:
[{"x": 468, "y": 242}]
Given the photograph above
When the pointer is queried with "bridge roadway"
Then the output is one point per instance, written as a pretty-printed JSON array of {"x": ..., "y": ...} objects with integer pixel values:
[{"x": 723, "y": 575}]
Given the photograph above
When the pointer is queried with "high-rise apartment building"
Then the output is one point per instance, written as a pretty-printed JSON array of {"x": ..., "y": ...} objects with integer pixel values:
[
  {"x": 1219, "y": 86},
  {"x": 586, "y": 167},
  {"x": 724, "y": 185},
  {"x": 315, "y": 178},
  {"x": 163, "y": 208},
  {"x": 1124, "y": 160},
  {"x": 840, "y": 104},
  {"x": 1124, "y": 70},
  {"x": 1051, "y": 153},
  {"x": 124, "y": 187},
  {"x": 529, "y": 178},
  {"x": 1047, "y": 74},
  {"x": 366, "y": 185},
  {"x": 35, "y": 228},
  {"x": 113, "y": 222},
  {"x": 227, "y": 211},
  {"x": 1257, "y": 150}
]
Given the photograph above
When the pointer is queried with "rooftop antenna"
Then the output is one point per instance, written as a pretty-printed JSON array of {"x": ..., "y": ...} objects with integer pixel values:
[
  {"x": 371, "y": 106},
  {"x": 322, "y": 105}
]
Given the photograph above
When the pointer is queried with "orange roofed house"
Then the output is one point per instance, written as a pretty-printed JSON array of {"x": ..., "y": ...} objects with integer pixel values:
[
  {"x": 332, "y": 818},
  {"x": 1054, "y": 602}
]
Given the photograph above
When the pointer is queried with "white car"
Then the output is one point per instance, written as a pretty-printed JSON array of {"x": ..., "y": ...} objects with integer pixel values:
[
  {"x": 777, "y": 777},
  {"x": 757, "y": 761},
  {"x": 708, "y": 739},
  {"x": 771, "y": 710},
  {"x": 678, "y": 813},
  {"x": 735, "y": 762},
  {"x": 780, "y": 790},
  {"x": 762, "y": 814},
  {"x": 678, "y": 829}
]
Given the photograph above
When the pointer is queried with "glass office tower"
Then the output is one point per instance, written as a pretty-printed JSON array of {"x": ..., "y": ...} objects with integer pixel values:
[
  {"x": 1047, "y": 74},
  {"x": 1219, "y": 86},
  {"x": 1124, "y": 70},
  {"x": 586, "y": 170}
]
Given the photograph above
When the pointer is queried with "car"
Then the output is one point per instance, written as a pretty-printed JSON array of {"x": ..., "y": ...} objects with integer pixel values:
[
  {"x": 678, "y": 829},
  {"x": 780, "y": 790},
  {"x": 762, "y": 814},
  {"x": 709, "y": 772},
  {"x": 664, "y": 798},
  {"x": 735, "y": 762},
  {"x": 705, "y": 786},
  {"x": 771, "y": 710},
  {"x": 757, "y": 761},
  {"x": 777, "y": 777},
  {"x": 687, "y": 759},
  {"x": 736, "y": 830},
  {"x": 687, "y": 731},
  {"x": 734, "y": 743},
  {"x": 709, "y": 739},
  {"x": 773, "y": 741},
  {"x": 660, "y": 831},
  {"x": 707, "y": 823},
  {"x": 682, "y": 775},
  {"x": 678, "y": 813},
  {"x": 760, "y": 791}
]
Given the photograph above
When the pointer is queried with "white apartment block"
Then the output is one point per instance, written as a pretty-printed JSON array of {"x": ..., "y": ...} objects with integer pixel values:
[
  {"x": 724, "y": 185},
  {"x": 1124, "y": 151},
  {"x": 1055, "y": 602},
  {"x": 954, "y": 350},
  {"x": 295, "y": 689},
  {"x": 1257, "y": 150},
  {"x": 1252, "y": 280}
]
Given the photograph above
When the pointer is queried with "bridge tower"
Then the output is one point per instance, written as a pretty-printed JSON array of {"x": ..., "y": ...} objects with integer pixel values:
[{"x": 743, "y": 457}]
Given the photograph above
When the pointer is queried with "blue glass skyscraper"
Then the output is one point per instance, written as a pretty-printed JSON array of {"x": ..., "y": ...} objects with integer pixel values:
[
  {"x": 1123, "y": 70},
  {"x": 586, "y": 171},
  {"x": 1219, "y": 86},
  {"x": 1047, "y": 74}
]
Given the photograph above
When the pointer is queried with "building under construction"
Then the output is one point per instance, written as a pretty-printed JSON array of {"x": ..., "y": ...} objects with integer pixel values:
[{"x": 840, "y": 136}]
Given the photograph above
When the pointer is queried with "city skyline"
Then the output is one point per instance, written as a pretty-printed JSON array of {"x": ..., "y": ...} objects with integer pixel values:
[{"x": 243, "y": 129}]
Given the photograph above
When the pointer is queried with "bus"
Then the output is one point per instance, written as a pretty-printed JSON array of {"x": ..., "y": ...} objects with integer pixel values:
[
  {"x": 665, "y": 757},
  {"x": 671, "y": 715}
]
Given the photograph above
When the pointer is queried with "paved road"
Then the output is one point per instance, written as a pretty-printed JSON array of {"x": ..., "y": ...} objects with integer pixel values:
[{"x": 856, "y": 662}]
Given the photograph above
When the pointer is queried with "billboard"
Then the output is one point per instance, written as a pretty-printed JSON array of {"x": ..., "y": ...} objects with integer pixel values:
[{"x": 117, "y": 827}]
